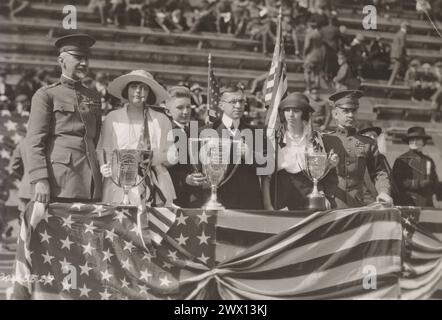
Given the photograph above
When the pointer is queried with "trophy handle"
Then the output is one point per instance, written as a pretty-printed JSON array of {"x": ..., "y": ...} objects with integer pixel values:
[{"x": 106, "y": 162}]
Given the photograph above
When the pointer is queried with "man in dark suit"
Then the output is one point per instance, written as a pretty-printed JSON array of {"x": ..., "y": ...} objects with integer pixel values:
[
  {"x": 242, "y": 190},
  {"x": 63, "y": 130},
  {"x": 398, "y": 51},
  {"x": 179, "y": 109},
  {"x": 415, "y": 173}
]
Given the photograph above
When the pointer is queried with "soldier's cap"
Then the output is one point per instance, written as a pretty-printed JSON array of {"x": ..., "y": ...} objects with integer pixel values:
[
  {"x": 118, "y": 87},
  {"x": 416, "y": 132},
  {"x": 346, "y": 99},
  {"x": 377, "y": 130},
  {"x": 296, "y": 100},
  {"x": 76, "y": 44},
  {"x": 438, "y": 64}
]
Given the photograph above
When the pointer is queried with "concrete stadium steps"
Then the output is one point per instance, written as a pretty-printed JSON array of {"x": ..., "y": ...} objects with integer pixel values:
[
  {"x": 211, "y": 40},
  {"x": 387, "y": 28},
  {"x": 150, "y": 53},
  {"x": 163, "y": 72}
]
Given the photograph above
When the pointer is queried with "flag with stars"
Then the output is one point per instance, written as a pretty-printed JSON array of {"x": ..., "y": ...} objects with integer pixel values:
[
  {"x": 96, "y": 251},
  {"x": 213, "y": 94},
  {"x": 12, "y": 131}
]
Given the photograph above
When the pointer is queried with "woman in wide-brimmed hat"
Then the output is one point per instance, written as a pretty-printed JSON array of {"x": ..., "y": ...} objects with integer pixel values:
[
  {"x": 297, "y": 135},
  {"x": 415, "y": 173},
  {"x": 138, "y": 126}
]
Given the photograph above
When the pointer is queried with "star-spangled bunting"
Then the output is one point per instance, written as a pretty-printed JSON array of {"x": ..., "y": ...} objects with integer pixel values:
[{"x": 105, "y": 253}]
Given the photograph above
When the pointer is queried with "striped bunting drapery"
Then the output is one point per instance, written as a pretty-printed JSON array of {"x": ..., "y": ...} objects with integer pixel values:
[
  {"x": 205, "y": 254},
  {"x": 422, "y": 258}
]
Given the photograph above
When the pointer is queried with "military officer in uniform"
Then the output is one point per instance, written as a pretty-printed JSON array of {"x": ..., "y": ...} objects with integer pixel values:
[
  {"x": 415, "y": 173},
  {"x": 357, "y": 153},
  {"x": 63, "y": 130}
]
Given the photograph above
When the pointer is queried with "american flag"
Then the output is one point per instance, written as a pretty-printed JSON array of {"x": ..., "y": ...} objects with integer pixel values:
[
  {"x": 276, "y": 87},
  {"x": 96, "y": 251},
  {"x": 12, "y": 131},
  {"x": 248, "y": 255},
  {"x": 213, "y": 94}
]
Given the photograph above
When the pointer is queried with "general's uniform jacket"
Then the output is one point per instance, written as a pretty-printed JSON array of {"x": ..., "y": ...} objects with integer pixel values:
[
  {"x": 416, "y": 178},
  {"x": 63, "y": 131},
  {"x": 243, "y": 190},
  {"x": 356, "y": 154}
]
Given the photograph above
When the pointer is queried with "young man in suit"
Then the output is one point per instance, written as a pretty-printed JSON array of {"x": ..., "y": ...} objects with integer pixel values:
[
  {"x": 242, "y": 190},
  {"x": 178, "y": 107}
]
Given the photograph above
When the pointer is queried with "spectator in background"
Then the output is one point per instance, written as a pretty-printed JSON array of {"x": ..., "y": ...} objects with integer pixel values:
[
  {"x": 427, "y": 81},
  {"x": 415, "y": 173},
  {"x": 22, "y": 105},
  {"x": 117, "y": 13},
  {"x": 321, "y": 115},
  {"x": 437, "y": 10},
  {"x": 6, "y": 92},
  {"x": 411, "y": 79},
  {"x": 290, "y": 36},
  {"x": 358, "y": 55},
  {"x": 345, "y": 78},
  {"x": 422, "y": 6},
  {"x": 332, "y": 41},
  {"x": 100, "y": 86},
  {"x": 27, "y": 85},
  {"x": 398, "y": 53},
  {"x": 240, "y": 16},
  {"x": 378, "y": 59},
  {"x": 313, "y": 55},
  {"x": 178, "y": 21},
  {"x": 102, "y": 7},
  {"x": 223, "y": 14},
  {"x": 436, "y": 99},
  {"x": 204, "y": 17},
  {"x": 42, "y": 78}
]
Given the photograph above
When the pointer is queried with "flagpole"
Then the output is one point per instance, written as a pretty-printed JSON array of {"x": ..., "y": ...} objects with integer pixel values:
[
  {"x": 275, "y": 197},
  {"x": 209, "y": 89}
]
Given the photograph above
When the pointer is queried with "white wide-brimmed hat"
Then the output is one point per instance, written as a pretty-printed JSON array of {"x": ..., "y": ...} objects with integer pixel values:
[{"x": 117, "y": 86}]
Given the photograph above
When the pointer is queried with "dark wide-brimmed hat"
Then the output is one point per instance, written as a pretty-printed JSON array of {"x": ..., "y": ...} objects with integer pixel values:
[
  {"x": 416, "y": 132},
  {"x": 377, "y": 130},
  {"x": 296, "y": 100},
  {"x": 76, "y": 44}
]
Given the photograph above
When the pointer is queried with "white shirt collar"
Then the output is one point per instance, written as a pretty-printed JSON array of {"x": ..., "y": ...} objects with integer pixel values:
[
  {"x": 179, "y": 124},
  {"x": 227, "y": 121}
]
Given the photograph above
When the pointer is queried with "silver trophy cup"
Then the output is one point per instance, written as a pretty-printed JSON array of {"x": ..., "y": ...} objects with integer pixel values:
[
  {"x": 129, "y": 169},
  {"x": 316, "y": 167},
  {"x": 215, "y": 158}
]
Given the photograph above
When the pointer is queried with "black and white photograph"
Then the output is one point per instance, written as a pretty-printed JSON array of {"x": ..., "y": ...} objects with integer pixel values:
[{"x": 239, "y": 150}]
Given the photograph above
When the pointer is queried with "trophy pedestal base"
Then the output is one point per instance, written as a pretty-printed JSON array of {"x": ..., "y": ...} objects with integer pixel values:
[
  {"x": 316, "y": 202},
  {"x": 213, "y": 205}
]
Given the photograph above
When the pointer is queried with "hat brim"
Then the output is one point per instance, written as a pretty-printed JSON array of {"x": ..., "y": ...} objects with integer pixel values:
[
  {"x": 425, "y": 137},
  {"x": 304, "y": 108},
  {"x": 378, "y": 130},
  {"x": 117, "y": 86}
]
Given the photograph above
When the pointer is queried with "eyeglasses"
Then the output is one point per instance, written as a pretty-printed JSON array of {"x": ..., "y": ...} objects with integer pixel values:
[{"x": 234, "y": 102}]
